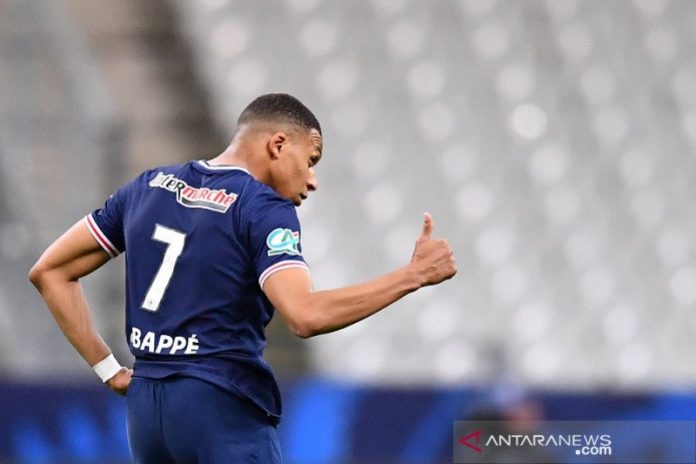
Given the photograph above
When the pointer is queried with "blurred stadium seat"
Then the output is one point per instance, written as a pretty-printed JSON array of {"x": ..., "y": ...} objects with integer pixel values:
[{"x": 552, "y": 141}]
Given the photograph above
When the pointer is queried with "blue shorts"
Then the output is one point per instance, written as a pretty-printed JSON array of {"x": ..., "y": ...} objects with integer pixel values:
[{"x": 186, "y": 420}]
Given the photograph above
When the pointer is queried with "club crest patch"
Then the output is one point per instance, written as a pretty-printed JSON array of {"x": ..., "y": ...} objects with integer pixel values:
[{"x": 281, "y": 241}]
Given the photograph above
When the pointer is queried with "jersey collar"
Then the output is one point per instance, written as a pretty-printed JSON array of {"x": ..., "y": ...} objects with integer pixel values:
[{"x": 207, "y": 165}]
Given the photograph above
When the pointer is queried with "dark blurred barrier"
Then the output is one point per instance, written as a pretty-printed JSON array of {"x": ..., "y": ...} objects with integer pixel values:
[
  {"x": 61, "y": 424},
  {"x": 324, "y": 423}
]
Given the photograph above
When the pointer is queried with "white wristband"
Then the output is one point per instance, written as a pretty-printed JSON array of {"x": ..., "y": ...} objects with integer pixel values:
[{"x": 107, "y": 368}]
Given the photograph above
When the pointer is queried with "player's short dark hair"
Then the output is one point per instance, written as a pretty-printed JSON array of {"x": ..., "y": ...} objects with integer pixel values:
[{"x": 279, "y": 107}]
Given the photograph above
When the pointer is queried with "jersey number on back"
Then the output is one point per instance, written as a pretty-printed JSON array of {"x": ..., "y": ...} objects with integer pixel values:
[{"x": 175, "y": 245}]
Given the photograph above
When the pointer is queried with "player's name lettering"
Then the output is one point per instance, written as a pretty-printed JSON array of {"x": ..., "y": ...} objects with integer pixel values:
[
  {"x": 162, "y": 343},
  {"x": 193, "y": 197}
]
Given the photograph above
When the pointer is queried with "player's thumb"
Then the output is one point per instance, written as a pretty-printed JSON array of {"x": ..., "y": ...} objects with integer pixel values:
[{"x": 427, "y": 227}]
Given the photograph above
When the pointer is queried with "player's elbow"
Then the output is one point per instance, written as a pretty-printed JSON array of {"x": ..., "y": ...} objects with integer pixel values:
[
  {"x": 301, "y": 332},
  {"x": 37, "y": 274},
  {"x": 304, "y": 324},
  {"x": 42, "y": 274},
  {"x": 302, "y": 329}
]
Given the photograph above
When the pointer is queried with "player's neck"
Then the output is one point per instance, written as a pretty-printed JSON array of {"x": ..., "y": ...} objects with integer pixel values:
[{"x": 237, "y": 154}]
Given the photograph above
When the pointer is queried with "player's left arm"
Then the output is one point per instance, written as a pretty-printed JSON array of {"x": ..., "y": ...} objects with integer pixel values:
[
  {"x": 309, "y": 313},
  {"x": 57, "y": 275}
]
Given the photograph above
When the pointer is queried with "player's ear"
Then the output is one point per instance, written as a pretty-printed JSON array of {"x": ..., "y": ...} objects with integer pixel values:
[{"x": 276, "y": 143}]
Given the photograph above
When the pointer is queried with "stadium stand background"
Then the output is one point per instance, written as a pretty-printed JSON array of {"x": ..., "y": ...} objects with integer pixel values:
[{"x": 552, "y": 141}]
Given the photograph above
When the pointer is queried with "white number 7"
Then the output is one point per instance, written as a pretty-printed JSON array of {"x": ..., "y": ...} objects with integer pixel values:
[{"x": 175, "y": 241}]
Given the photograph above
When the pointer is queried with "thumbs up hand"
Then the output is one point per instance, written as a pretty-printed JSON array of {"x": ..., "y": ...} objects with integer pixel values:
[
  {"x": 427, "y": 227},
  {"x": 432, "y": 259}
]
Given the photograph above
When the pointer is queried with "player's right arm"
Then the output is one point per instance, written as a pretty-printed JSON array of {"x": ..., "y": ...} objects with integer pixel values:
[
  {"x": 56, "y": 276},
  {"x": 310, "y": 313}
]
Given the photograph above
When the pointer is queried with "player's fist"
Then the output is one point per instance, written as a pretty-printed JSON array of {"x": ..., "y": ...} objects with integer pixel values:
[
  {"x": 119, "y": 382},
  {"x": 432, "y": 259}
]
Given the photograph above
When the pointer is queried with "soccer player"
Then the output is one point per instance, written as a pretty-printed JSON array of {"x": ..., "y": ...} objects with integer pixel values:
[{"x": 213, "y": 247}]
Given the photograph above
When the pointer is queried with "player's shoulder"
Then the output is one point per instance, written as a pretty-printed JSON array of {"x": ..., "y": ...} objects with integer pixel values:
[
  {"x": 261, "y": 197},
  {"x": 148, "y": 174},
  {"x": 259, "y": 202},
  {"x": 166, "y": 169}
]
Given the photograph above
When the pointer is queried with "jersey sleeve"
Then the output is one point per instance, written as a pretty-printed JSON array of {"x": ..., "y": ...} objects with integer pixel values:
[
  {"x": 106, "y": 223},
  {"x": 274, "y": 237}
]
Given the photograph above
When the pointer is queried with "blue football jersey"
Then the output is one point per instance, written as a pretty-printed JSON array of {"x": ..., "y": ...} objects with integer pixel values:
[{"x": 200, "y": 241}]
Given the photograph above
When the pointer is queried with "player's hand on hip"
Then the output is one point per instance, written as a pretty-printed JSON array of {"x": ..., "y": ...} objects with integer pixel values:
[
  {"x": 433, "y": 259},
  {"x": 119, "y": 382}
]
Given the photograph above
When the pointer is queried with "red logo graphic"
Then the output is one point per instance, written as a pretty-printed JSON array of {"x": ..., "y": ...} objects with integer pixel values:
[{"x": 475, "y": 437}]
